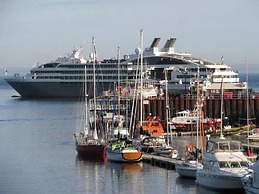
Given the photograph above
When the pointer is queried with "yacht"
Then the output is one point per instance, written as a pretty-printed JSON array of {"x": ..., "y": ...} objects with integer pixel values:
[
  {"x": 64, "y": 77},
  {"x": 223, "y": 165},
  {"x": 250, "y": 180}
]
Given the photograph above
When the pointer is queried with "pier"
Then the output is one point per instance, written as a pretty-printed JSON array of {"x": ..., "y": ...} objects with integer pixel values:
[
  {"x": 161, "y": 161},
  {"x": 234, "y": 108}
]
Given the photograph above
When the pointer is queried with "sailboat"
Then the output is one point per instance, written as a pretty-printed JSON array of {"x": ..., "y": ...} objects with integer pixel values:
[
  {"x": 120, "y": 147},
  {"x": 166, "y": 149},
  {"x": 189, "y": 168},
  {"x": 87, "y": 142}
]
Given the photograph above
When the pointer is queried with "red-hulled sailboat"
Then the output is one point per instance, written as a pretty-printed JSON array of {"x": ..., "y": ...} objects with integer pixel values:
[{"x": 88, "y": 142}]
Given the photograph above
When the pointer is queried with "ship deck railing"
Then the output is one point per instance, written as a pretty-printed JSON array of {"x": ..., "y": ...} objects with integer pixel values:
[{"x": 218, "y": 96}]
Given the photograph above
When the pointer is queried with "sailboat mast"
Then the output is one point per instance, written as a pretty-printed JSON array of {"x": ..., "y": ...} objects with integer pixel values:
[
  {"x": 221, "y": 111},
  {"x": 119, "y": 89},
  {"x": 247, "y": 106},
  {"x": 198, "y": 107},
  {"x": 94, "y": 58},
  {"x": 141, "y": 78},
  {"x": 86, "y": 107},
  {"x": 166, "y": 104}
]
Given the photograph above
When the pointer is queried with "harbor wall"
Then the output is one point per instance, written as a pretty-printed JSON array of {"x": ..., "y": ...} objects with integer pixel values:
[{"x": 235, "y": 109}]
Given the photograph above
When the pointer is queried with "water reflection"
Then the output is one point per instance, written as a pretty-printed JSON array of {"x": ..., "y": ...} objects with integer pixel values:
[
  {"x": 97, "y": 176},
  {"x": 90, "y": 174},
  {"x": 124, "y": 167},
  {"x": 185, "y": 185},
  {"x": 124, "y": 177}
]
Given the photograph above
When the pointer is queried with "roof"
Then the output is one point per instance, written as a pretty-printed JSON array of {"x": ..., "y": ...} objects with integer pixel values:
[{"x": 226, "y": 86}]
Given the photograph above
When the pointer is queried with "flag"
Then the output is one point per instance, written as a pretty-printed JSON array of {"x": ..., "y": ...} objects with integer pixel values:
[{"x": 222, "y": 60}]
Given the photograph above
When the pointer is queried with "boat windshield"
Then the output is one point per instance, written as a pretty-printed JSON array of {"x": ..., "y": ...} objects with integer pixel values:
[
  {"x": 228, "y": 146},
  {"x": 225, "y": 164},
  {"x": 224, "y": 146}
]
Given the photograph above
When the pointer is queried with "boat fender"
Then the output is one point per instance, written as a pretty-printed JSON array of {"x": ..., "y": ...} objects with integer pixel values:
[{"x": 189, "y": 148}]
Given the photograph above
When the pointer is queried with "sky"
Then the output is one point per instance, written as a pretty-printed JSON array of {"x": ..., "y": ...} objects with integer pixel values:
[{"x": 39, "y": 31}]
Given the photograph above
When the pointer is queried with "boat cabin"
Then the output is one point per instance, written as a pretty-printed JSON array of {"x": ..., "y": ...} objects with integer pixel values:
[
  {"x": 151, "y": 128},
  {"x": 223, "y": 145}
]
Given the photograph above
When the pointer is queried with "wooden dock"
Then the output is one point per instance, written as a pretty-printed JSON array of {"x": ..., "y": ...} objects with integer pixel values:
[{"x": 160, "y": 161}]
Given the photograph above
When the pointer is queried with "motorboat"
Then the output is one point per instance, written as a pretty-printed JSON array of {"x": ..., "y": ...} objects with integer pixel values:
[
  {"x": 250, "y": 180},
  {"x": 188, "y": 168},
  {"x": 224, "y": 163},
  {"x": 166, "y": 151}
]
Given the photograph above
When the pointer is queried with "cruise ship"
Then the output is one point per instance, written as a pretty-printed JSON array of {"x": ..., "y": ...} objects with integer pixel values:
[{"x": 65, "y": 76}]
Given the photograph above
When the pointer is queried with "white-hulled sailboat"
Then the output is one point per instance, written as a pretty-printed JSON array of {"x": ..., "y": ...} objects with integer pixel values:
[
  {"x": 120, "y": 147},
  {"x": 189, "y": 168}
]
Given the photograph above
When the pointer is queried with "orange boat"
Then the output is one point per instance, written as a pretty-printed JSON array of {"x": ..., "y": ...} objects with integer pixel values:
[{"x": 152, "y": 126}]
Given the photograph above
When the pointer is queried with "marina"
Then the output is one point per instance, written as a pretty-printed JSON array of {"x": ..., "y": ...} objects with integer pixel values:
[
  {"x": 116, "y": 132},
  {"x": 54, "y": 151},
  {"x": 113, "y": 97}
]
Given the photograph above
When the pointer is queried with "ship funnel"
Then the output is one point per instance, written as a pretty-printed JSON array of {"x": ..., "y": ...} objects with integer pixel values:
[
  {"x": 168, "y": 47},
  {"x": 155, "y": 43},
  {"x": 169, "y": 43}
]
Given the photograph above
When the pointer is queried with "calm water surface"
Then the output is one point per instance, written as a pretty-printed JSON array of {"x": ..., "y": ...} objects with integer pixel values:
[{"x": 37, "y": 155}]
